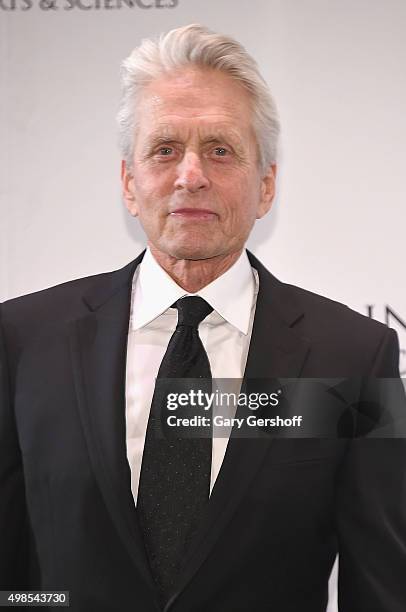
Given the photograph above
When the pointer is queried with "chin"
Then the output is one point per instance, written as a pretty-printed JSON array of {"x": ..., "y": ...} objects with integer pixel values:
[
  {"x": 192, "y": 253},
  {"x": 193, "y": 250}
]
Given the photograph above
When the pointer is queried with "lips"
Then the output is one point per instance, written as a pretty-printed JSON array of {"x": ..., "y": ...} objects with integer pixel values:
[{"x": 193, "y": 213}]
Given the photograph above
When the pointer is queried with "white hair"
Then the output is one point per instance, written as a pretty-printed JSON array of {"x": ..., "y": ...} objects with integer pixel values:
[{"x": 196, "y": 45}]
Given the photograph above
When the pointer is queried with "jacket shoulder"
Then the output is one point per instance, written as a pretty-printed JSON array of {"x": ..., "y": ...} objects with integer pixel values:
[
  {"x": 64, "y": 301},
  {"x": 329, "y": 314},
  {"x": 50, "y": 302},
  {"x": 351, "y": 341},
  {"x": 317, "y": 315}
]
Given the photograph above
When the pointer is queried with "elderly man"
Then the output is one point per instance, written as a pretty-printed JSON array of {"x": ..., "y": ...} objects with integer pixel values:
[{"x": 93, "y": 501}]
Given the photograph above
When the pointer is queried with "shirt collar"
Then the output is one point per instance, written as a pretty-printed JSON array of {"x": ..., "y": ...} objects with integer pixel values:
[{"x": 231, "y": 294}]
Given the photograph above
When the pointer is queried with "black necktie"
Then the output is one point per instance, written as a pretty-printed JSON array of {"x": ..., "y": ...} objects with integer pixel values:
[{"x": 175, "y": 474}]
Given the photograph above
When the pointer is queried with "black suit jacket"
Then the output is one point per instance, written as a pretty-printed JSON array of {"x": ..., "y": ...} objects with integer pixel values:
[{"x": 280, "y": 509}]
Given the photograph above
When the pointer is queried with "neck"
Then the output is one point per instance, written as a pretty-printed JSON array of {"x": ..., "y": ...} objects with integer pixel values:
[{"x": 193, "y": 275}]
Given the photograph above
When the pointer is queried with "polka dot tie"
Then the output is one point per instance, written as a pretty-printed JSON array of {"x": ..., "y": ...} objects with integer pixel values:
[{"x": 175, "y": 473}]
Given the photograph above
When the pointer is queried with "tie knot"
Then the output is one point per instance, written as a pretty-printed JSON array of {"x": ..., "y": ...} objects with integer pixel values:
[{"x": 192, "y": 310}]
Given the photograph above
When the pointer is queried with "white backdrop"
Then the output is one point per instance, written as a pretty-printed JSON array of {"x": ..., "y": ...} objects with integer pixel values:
[{"x": 337, "y": 70}]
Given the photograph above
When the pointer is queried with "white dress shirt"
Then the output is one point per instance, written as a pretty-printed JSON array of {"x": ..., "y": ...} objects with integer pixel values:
[{"x": 225, "y": 334}]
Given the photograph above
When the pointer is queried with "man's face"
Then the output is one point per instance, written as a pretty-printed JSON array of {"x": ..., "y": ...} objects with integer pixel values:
[{"x": 195, "y": 182}]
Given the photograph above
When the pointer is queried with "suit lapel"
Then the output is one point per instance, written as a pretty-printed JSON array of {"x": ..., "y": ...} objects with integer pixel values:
[
  {"x": 276, "y": 351},
  {"x": 98, "y": 343}
]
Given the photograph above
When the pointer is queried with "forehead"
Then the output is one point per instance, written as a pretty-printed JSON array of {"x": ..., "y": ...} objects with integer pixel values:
[{"x": 195, "y": 97}]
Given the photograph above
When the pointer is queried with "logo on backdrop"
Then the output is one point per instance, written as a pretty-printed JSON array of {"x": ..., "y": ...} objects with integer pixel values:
[
  {"x": 85, "y": 5},
  {"x": 392, "y": 318}
]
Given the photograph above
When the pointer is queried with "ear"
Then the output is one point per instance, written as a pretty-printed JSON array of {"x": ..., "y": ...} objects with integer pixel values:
[
  {"x": 268, "y": 187},
  {"x": 127, "y": 181}
]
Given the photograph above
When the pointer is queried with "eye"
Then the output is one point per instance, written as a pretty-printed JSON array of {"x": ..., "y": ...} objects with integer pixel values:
[
  {"x": 220, "y": 151},
  {"x": 165, "y": 151}
]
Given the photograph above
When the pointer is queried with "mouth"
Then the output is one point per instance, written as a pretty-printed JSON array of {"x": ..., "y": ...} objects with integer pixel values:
[{"x": 194, "y": 214}]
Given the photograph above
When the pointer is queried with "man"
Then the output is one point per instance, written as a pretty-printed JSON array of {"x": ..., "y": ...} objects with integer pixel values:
[{"x": 91, "y": 500}]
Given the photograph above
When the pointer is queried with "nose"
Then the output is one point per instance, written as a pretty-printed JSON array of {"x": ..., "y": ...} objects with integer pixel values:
[{"x": 190, "y": 174}]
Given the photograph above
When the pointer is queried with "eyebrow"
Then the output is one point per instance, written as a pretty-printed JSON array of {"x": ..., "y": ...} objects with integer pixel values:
[
  {"x": 166, "y": 135},
  {"x": 158, "y": 140}
]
